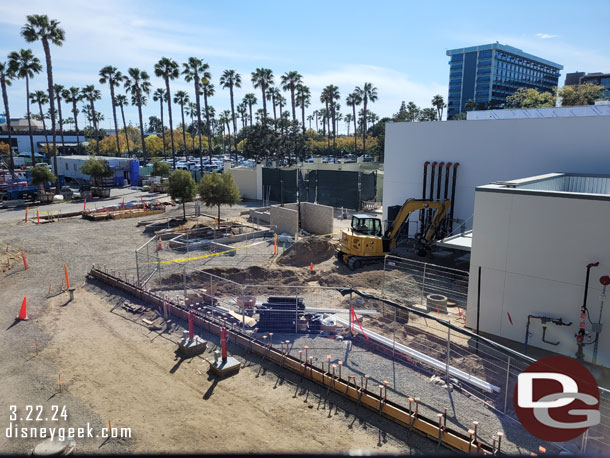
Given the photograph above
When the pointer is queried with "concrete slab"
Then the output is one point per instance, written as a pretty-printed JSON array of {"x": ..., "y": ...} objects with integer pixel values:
[
  {"x": 189, "y": 348},
  {"x": 223, "y": 368}
]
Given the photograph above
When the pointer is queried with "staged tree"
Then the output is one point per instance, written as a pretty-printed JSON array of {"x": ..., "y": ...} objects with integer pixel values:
[
  {"x": 160, "y": 169},
  {"x": 182, "y": 188},
  {"x": 97, "y": 169},
  {"x": 41, "y": 175},
  {"x": 216, "y": 189}
]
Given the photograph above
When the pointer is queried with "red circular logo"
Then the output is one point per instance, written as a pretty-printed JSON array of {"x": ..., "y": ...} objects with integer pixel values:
[{"x": 557, "y": 399}]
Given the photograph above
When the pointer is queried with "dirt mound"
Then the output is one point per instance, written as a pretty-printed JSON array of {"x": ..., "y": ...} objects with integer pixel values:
[{"x": 304, "y": 252}]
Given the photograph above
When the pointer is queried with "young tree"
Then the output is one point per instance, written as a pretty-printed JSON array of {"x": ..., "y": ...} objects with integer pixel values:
[
  {"x": 182, "y": 187},
  {"x": 41, "y": 175},
  {"x": 97, "y": 168},
  {"x": 160, "y": 169},
  {"x": 216, "y": 189}
]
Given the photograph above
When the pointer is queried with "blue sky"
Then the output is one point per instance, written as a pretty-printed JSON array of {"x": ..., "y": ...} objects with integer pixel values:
[{"x": 399, "y": 46}]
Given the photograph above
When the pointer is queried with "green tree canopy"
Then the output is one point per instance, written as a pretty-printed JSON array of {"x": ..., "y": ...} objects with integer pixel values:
[
  {"x": 580, "y": 94},
  {"x": 160, "y": 169},
  {"x": 182, "y": 188},
  {"x": 216, "y": 189},
  {"x": 530, "y": 98},
  {"x": 41, "y": 175},
  {"x": 97, "y": 168}
]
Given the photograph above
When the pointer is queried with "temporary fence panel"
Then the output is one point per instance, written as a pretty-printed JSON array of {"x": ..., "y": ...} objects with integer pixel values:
[
  {"x": 282, "y": 184},
  {"x": 368, "y": 186},
  {"x": 338, "y": 188}
]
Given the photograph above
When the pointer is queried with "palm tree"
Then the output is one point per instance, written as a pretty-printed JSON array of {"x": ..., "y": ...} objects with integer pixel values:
[
  {"x": 250, "y": 99},
  {"x": 242, "y": 109},
  {"x": 348, "y": 120},
  {"x": 273, "y": 93},
  {"x": 41, "y": 98},
  {"x": 113, "y": 77},
  {"x": 6, "y": 75},
  {"x": 368, "y": 93},
  {"x": 168, "y": 70},
  {"x": 57, "y": 89},
  {"x": 310, "y": 118},
  {"x": 439, "y": 103},
  {"x": 281, "y": 101},
  {"x": 121, "y": 101},
  {"x": 137, "y": 83},
  {"x": 263, "y": 78},
  {"x": 231, "y": 79},
  {"x": 353, "y": 100},
  {"x": 161, "y": 96},
  {"x": 290, "y": 80},
  {"x": 73, "y": 96},
  {"x": 207, "y": 88},
  {"x": 92, "y": 94},
  {"x": 330, "y": 95},
  {"x": 182, "y": 98},
  {"x": 25, "y": 65},
  {"x": 303, "y": 99},
  {"x": 40, "y": 27},
  {"x": 315, "y": 115},
  {"x": 197, "y": 71},
  {"x": 325, "y": 99},
  {"x": 225, "y": 119}
]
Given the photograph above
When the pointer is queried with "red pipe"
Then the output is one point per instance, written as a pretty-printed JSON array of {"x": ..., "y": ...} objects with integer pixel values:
[
  {"x": 191, "y": 329},
  {"x": 440, "y": 179},
  {"x": 223, "y": 343}
]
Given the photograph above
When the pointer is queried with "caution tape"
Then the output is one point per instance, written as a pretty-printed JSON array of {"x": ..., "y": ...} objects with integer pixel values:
[{"x": 194, "y": 258}]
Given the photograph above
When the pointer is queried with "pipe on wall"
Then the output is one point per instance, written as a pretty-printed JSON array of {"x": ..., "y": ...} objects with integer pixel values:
[
  {"x": 455, "y": 167},
  {"x": 423, "y": 196}
]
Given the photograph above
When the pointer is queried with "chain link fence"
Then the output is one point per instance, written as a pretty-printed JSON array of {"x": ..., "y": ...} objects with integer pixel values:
[{"x": 410, "y": 336}]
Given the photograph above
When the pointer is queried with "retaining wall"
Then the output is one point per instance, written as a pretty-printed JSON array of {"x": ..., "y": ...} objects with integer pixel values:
[{"x": 317, "y": 219}]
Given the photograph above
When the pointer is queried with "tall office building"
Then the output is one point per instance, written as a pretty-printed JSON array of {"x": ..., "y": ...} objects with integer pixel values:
[{"x": 489, "y": 73}]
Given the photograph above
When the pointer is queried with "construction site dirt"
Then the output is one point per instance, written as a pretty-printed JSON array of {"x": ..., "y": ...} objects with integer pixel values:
[{"x": 113, "y": 368}]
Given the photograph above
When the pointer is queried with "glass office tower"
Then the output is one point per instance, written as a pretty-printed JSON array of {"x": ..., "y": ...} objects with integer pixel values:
[{"x": 489, "y": 73}]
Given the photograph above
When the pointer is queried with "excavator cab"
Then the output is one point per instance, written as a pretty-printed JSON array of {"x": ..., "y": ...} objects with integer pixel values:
[{"x": 366, "y": 225}]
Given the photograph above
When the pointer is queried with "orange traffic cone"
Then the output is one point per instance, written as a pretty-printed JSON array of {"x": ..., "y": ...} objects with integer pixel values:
[
  {"x": 23, "y": 314},
  {"x": 159, "y": 245},
  {"x": 311, "y": 266}
]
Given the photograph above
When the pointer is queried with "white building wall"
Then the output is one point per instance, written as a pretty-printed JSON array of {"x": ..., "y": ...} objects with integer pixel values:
[
  {"x": 488, "y": 151},
  {"x": 533, "y": 251}
]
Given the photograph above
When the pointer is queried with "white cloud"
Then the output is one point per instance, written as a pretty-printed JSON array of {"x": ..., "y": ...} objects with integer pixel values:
[{"x": 545, "y": 36}]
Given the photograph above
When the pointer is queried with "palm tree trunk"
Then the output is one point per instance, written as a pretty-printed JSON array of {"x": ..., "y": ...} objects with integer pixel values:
[
  {"x": 355, "y": 130},
  {"x": 317, "y": 128},
  {"x": 274, "y": 114},
  {"x": 327, "y": 120},
  {"x": 250, "y": 105},
  {"x": 95, "y": 129},
  {"x": 264, "y": 105},
  {"x": 207, "y": 120},
  {"x": 29, "y": 115},
  {"x": 142, "y": 129},
  {"x": 333, "y": 114},
  {"x": 294, "y": 116},
  {"x": 44, "y": 127},
  {"x": 364, "y": 129},
  {"x": 8, "y": 124},
  {"x": 234, "y": 122},
  {"x": 162, "y": 128},
  {"x": 74, "y": 111},
  {"x": 303, "y": 117},
  {"x": 183, "y": 129},
  {"x": 61, "y": 123},
  {"x": 125, "y": 129},
  {"x": 116, "y": 124},
  {"x": 47, "y": 54},
  {"x": 171, "y": 125},
  {"x": 198, "y": 102}
]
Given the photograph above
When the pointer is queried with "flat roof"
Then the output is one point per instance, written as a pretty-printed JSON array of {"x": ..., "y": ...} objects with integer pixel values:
[
  {"x": 457, "y": 242},
  {"x": 570, "y": 185},
  {"x": 506, "y": 48}
]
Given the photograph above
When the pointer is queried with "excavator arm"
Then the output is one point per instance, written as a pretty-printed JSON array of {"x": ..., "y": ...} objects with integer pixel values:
[{"x": 409, "y": 207}]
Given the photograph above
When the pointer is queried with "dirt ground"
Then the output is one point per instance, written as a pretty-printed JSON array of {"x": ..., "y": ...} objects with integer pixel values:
[
  {"x": 114, "y": 370},
  {"x": 164, "y": 401}
]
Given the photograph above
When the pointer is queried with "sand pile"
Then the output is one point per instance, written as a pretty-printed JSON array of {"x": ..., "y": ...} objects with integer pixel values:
[{"x": 304, "y": 252}]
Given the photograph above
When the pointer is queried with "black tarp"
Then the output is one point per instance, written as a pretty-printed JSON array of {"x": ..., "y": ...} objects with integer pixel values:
[{"x": 273, "y": 178}]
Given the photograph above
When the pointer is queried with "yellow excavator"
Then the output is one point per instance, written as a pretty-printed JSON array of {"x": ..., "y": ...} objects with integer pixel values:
[{"x": 365, "y": 243}]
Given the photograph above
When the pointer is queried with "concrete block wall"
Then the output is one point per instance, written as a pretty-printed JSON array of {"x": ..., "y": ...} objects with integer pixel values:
[
  {"x": 259, "y": 217},
  {"x": 285, "y": 219},
  {"x": 316, "y": 219}
]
